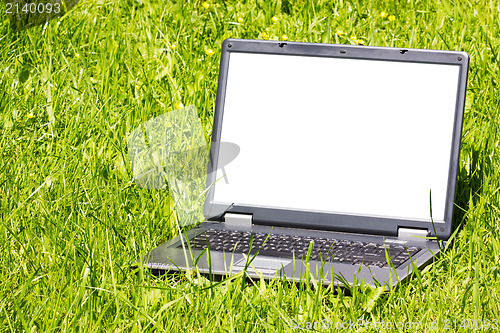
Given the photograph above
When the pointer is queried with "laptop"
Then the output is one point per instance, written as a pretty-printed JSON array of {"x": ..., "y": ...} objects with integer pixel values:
[{"x": 346, "y": 165}]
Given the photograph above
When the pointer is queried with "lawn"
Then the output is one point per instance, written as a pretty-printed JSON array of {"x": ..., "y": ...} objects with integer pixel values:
[{"x": 73, "y": 221}]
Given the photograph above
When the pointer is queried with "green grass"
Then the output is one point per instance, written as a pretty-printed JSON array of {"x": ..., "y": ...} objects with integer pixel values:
[{"x": 73, "y": 222}]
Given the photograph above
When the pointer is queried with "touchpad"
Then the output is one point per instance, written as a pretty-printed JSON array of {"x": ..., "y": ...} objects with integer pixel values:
[{"x": 262, "y": 265}]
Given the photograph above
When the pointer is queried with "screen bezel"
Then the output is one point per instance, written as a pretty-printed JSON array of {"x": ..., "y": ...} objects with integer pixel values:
[{"x": 329, "y": 220}]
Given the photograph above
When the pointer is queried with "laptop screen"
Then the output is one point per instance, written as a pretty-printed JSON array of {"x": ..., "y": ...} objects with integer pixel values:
[{"x": 352, "y": 136}]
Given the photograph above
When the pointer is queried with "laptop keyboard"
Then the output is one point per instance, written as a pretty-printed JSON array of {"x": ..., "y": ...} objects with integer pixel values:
[{"x": 290, "y": 246}]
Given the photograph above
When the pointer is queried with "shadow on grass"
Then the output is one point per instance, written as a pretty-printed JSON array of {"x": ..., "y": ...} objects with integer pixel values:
[{"x": 470, "y": 183}]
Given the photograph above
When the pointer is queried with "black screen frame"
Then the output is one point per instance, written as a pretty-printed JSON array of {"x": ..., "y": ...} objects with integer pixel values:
[{"x": 335, "y": 221}]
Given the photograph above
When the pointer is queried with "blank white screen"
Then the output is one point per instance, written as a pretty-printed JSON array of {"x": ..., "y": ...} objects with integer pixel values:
[{"x": 337, "y": 135}]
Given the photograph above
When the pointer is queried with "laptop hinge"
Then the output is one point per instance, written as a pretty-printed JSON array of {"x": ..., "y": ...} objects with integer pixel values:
[
  {"x": 238, "y": 220},
  {"x": 413, "y": 234}
]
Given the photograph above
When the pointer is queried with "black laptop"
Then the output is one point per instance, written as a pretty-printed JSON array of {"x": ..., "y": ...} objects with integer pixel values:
[{"x": 347, "y": 163}]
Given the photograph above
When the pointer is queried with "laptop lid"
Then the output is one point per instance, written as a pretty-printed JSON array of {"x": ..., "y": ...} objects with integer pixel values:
[{"x": 348, "y": 138}]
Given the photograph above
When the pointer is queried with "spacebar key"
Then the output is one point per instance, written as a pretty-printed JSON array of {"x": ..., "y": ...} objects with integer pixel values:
[
  {"x": 274, "y": 253},
  {"x": 370, "y": 258}
]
